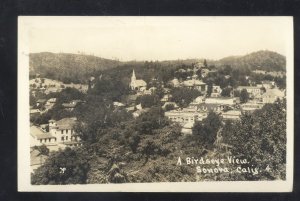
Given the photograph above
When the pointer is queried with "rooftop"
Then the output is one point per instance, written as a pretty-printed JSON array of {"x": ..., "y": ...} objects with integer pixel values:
[
  {"x": 39, "y": 133},
  {"x": 66, "y": 123},
  {"x": 193, "y": 82}
]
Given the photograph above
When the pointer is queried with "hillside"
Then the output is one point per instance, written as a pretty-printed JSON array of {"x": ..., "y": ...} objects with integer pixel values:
[
  {"x": 77, "y": 68},
  {"x": 263, "y": 60},
  {"x": 68, "y": 67}
]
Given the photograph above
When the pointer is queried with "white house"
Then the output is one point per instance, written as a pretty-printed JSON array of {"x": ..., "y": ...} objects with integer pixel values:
[
  {"x": 187, "y": 128},
  {"x": 216, "y": 91},
  {"x": 63, "y": 130},
  {"x": 195, "y": 84},
  {"x": 252, "y": 90},
  {"x": 39, "y": 137}
]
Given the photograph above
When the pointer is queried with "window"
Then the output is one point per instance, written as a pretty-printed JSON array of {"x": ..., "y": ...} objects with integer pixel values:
[
  {"x": 62, "y": 131},
  {"x": 41, "y": 141},
  {"x": 66, "y": 137},
  {"x": 67, "y": 131},
  {"x": 62, "y": 138}
]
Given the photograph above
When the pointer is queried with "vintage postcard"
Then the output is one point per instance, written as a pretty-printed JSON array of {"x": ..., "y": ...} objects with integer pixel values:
[{"x": 155, "y": 104}]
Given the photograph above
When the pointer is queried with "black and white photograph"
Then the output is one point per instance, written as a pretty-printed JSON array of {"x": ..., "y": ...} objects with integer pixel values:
[{"x": 162, "y": 104}]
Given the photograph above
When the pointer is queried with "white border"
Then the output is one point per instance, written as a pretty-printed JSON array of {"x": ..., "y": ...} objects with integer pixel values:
[{"x": 24, "y": 25}]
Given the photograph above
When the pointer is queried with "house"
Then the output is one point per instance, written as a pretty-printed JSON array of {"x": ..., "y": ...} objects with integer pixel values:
[
  {"x": 250, "y": 107},
  {"x": 175, "y": 82},
  {"x": 227, "y": 77},
  {"x": 138, "y": 113},
  {"x": 187, "y": 128},
  {"x": 34, "y": 112},
  {"x": 40, "y": 102},
  {"x": 152, "y": 89},
  {"x": 252, "y": 90},
  {"x": 204, "y": 72},
  {"x": 118, "y": 104},
  {"x": 137, "y": 84},
  {"x": 71, "y": 105},
  {"x": 271, "y": 95},
  {"x": 63, "y": 130},
  {"x": 36, "y": 160},
  {"x": 166, "y": 90},
  {"x": 216, "y": 91},
  {"x": 166, "y": 98},
  {"x": 231, "y": 115},
  {"x": 182, "y": 70},
  {"x": 267, "y": 84},
  {"x": 50, "y": 103},
  {"x": 259, "y": 71},
  {"x": 195, "y": 84},
  {"x": 280, "y": 74},
  {"x": 198, "y": 100},
  {"x": 39, "y": 137},
  {"x": 130, "y": 109}
]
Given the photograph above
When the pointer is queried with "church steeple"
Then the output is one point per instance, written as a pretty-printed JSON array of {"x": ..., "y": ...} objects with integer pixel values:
[{"x": 133, "y": 78}]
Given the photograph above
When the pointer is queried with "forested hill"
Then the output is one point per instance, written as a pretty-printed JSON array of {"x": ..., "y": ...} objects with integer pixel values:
[
  {"x": 263, "y": 60},
  {"x": 68, "y": 67},
  {"x": 78, "y": 68}
]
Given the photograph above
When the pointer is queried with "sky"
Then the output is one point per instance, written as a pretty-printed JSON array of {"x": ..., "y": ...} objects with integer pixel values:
[{"x": 157, "y": 38}]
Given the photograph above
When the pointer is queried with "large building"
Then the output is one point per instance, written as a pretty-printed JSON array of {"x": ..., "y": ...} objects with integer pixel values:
[
  {"x": 231, "y": 115},
  {"x": 195, "y": 84},
  {"x": 221, "y": 100},
  {"x": 63, "y": 130},
  {"x": 252, "y": 90},
  {"x": 137, "y": 84},
  {"x": 186, "y": 115}
]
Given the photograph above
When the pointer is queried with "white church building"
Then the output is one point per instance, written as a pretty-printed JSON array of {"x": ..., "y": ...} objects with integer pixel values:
[{"x": 135, "y": 84}]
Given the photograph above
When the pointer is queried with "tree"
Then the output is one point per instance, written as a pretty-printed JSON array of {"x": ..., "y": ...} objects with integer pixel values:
[
  {"x": 205, "y": 132},
  {"x": 263, "y": 89},
  {"x": 148, "y": 100},
  {"x": 151, "y": 120},
  {"x": 226, "y": 92},
  {"x": 261, "y": 138},
  {"x": 69, "y": 166},
  {"x": 209, "y": 89},
  {"x": 184, "y": 96},
  {"x": 42, "y": 149},
  {"x": 204, "y": 63},
  {"x": 169, "y": 107},
  {"x": 244, "y": 96},
  {"x": 236, "y": 93}
]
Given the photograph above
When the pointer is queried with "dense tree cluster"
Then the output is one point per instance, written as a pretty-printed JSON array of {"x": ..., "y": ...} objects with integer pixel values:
[{"x": 183, "y": 97}]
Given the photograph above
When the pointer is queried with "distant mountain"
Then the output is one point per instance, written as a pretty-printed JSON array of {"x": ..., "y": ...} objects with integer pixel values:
[
  {"x": 67, "y": 67},
  {"x": 77, "y": 68},
  {"x": 263, "y": 60}
]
